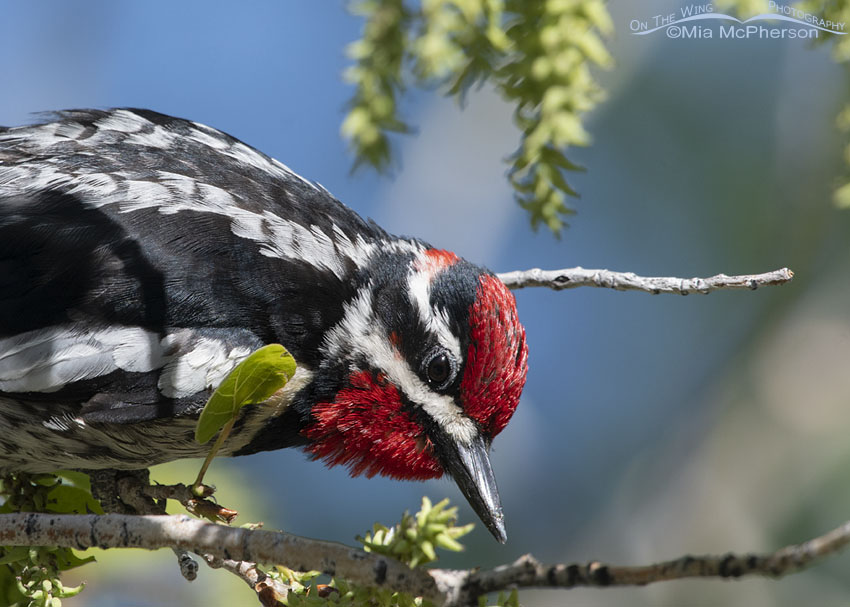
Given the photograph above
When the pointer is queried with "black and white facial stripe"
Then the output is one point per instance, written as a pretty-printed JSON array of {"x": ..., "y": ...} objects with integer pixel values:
[{"x": 399, "y": 331}]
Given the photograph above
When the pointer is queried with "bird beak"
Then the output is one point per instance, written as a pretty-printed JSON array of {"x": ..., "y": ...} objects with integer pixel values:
[{"x": 470, "y": 467}]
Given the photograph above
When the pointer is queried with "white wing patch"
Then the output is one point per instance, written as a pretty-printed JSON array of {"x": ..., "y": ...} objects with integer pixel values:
[
  {"x": 202, "y": 367},
  {"x": 69, "y": 130},
  {"x": 49, "y": 359},
  {"x": 360, "y": 332},
  {"x": 22, "y": 179},
  {"x": 291, "y": 240},
  {"x": 277, "y": 237},
  {"x": 123, "y": 121},
  {"x": 172, "y": 193},
  {"x": 136, "y": 129}
]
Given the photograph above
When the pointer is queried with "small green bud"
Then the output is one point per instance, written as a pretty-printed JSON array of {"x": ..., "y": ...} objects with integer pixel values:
[
  {"x": 428, "y": 549},
  {"x": 550, "y": 38},
  {"x": 446, "y": 541}
]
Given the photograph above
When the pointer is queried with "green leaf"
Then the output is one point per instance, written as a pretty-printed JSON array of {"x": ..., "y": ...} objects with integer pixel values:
[
  {"x": 414, "y": 540},
  {"x": 30, "y": 575},
  {"x": 12, "y": 554},
  {"x": 66, "y": 499},
  {"x": 68, "y": 559},
  {"x": 842, "y": 197},
  {"x": 253, "y": 381},
  {"x": 538, "y": 55},
  {"x": 75, "y": 478}
]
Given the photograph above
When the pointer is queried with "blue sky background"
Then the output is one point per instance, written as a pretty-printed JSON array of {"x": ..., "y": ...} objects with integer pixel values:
[{"x": 650, "y": 426}]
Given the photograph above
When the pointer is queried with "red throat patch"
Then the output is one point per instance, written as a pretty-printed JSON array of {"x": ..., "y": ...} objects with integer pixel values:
[
  {"x": 497, "y": 359},
  {"x": 366, "y": 430}
]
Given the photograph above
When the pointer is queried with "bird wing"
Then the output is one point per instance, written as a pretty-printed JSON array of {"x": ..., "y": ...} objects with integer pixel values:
[{"x": 142, "y": 256}]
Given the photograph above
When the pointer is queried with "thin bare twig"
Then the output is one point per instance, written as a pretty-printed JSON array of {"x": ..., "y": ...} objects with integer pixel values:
[
  {"x": 178, "y": 492},
  {"x": 269, "y": 591},
  {"x": 569, "y": 278},
  {"x": 464, "y": 587},
  {"x": 452, "y": 588},
  {"x": 188, "y": 565}
]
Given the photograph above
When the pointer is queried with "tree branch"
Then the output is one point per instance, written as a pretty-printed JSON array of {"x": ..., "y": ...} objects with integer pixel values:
[
  {"x": 269, "y": 591},
  {"x": 451, "y": 588},
  {"x": 464, "y": 587},
  {"x": 136, "y": 491},
  {"x": 569, "y": 278},
  {"x": 228, "y": 543}
]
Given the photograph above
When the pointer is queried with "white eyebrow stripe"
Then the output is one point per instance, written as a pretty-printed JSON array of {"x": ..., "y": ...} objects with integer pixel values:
[
  {"x": 436, "y": 320},
  {"x": 359, "y": 332}
]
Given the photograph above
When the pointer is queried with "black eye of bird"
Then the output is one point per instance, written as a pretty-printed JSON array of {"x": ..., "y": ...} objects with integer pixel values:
[{"x": 439, "y": 370}]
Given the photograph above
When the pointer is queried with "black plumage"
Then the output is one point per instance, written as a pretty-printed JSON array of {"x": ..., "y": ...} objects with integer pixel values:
[{"x": 81, "y": 247}]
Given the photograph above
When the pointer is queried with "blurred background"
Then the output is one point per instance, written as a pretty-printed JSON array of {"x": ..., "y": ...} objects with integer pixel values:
[{"x": 651, "y": 426}]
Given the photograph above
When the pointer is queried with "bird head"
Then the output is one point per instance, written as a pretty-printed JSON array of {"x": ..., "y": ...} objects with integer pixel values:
[{"x": 433, "y": 359}]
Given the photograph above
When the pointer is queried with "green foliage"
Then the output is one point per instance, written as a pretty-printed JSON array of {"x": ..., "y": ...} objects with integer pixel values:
[
  {"x": 376, "y": 74},
  {"x": 510, "y": 599},
  {"x": 253, "y": 381},
  {"x": 29, "y": 575},
  {"x": 412, "y": 541},
  {"x": 836, "y": 11},
  {"x": 744, "y": 8},
  {"x": 341, "y": 593},
  {"x": 537, "y": 55},
  {"x": 842, "y": 194}
]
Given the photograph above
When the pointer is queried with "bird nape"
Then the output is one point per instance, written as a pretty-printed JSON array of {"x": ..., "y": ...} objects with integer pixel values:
[{"x": 142, "y": 257}]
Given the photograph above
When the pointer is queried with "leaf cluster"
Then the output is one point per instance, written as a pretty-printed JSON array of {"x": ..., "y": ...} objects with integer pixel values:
[
  {"x": 340, "y": 593},
  {"x": 537, "y": 55},
  {"x": 744, "y": 8},
  {"x": 30, "y": 575},
  {"x": 412, "y": 541},
  {"x": 837, "y": 11}
]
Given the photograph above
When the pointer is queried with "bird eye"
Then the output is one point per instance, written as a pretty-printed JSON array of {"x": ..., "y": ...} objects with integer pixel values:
[{"x": 439, "y": 370}]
